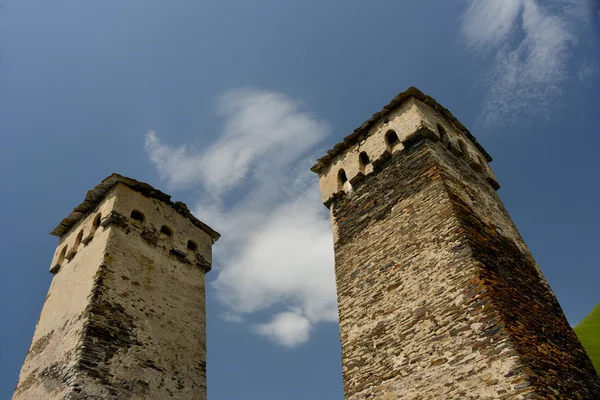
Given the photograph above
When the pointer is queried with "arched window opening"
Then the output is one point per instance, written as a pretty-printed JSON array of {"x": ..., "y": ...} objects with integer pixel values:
[
  {"x": 342, "y": 179},
  {"x": 137, "y": 216},
  {"x": 78, "y": 240},
  {"x": 391, "y": 139},
  {"x": 463, "y": 148},
  {"x": 479, "y": 166},
  {"x": 61, "y": 257},
  {"x": 192, "y": 246},
  {"x": 443, "y": 134},
  {"x": 363, "y": 159},
  {"x": 165, "y": 232},
  {"x": 96, "y": 223}
]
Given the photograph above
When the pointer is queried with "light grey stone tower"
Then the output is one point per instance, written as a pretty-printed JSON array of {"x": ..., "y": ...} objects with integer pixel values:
[{"x": 124, "y": 317}]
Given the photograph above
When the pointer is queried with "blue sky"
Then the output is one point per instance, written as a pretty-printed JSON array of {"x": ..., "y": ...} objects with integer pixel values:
[{"x": 227, "y": 104}]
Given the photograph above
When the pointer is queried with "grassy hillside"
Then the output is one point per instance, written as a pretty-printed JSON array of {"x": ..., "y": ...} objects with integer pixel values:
[{"x": 588, "y": 332}]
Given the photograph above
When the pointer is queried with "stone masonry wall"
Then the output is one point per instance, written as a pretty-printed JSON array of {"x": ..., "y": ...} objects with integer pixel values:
[
  {"x": 434, "y": 292},
  {"x": 554, "y": 360},
  {"x": 409, "y": 120},
  {"x": 141, "y": 329},
  {"x": 50, "y": 362}
]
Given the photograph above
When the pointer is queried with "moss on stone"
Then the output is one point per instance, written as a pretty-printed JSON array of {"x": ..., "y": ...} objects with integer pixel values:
[{"x": 588, "y": 332}]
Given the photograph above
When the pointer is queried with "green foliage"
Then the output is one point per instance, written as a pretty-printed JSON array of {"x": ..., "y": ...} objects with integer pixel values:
[{"x": 588, "y": 332}]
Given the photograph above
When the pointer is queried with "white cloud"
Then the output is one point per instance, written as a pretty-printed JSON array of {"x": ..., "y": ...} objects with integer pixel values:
[
  {"x": 276, "y": 250},
  {"x": 258, "y": 125},
  {"x": 178, "y": 166},
  {"x": 287, "y": 328},
  {"x": 488, "y": 23},
  {"x": 285, "y": 258},
  {"x": 532, "y": 43}
]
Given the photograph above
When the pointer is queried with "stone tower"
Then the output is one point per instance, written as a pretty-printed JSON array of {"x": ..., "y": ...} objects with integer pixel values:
[
  {"x": 438, "y": 295},
  {"x": 125, "y": 314}
]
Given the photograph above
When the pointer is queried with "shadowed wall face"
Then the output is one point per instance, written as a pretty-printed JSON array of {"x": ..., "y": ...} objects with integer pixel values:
[
  {"x": 438, "y": 295},
  {"x": 125, "y": 314}
]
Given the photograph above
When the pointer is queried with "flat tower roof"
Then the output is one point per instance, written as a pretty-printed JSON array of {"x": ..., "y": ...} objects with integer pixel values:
[
  {"x": 97, "y": 194},
  {"x": 362, "y": 131}
]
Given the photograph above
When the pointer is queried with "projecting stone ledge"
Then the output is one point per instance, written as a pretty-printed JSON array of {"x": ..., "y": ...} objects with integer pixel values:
[
  {"x": 95, "y": 196},
  {"x": 362, "y": 131},
  {"x": 125, "y": 314},
  {"x": 410, "y": 120},
  {"x": 438, "y": 295}
]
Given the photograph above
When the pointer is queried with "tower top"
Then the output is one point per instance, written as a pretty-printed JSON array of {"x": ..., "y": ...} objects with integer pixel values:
[
  {"x": 365, "y": 129},
  {"x": 95, "y": 196}
]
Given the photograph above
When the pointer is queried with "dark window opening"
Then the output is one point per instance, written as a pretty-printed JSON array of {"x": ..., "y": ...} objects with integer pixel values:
[
  {"x": 137, "y": 216},
  {"x": 78, "y": 240},
  {"x": 165, "y": 231},
  {"x": 391, "y": 139},
  {"x": 61, "y": 257},
  {"x": 192, "y": 246},
  {"x": 443, "y": 134},
  {"x": 96, "y": 223},
  {"x": 363, "y": 159},
  {"x": 342, "y": 178},
  {"x": 480, "y": 166},
  {"x": 463, "y": 148}
]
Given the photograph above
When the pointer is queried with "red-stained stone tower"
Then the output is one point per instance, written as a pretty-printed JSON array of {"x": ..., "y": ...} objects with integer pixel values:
[{"x": 438, "y": 295}]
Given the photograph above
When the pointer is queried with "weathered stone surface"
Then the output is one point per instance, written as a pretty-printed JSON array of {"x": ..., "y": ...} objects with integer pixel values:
[
  {"x": 71, "y": 254},
  {"x": 87, "y": 239},
  {"x": 124, "y": 318},
  {"x": 150, "y": 234},
  {"x": 202, "y": 263},
  {"x": 438, "y": 295},
  {"x": 366, "y": 129},
  {"x": 412, "y": 120},
  {"x": 114, "y": 218},
  {"x": 97, "y": 194}
]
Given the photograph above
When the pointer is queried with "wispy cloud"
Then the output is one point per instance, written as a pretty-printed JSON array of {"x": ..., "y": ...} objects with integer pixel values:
[
  {"x": 486, "y": 24},
  {"x": 276, "y": 250},
  {"x": 531, "y": 43},
  {"x": 587, "y": 70},
  {"x": 257, "y": 124}
]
